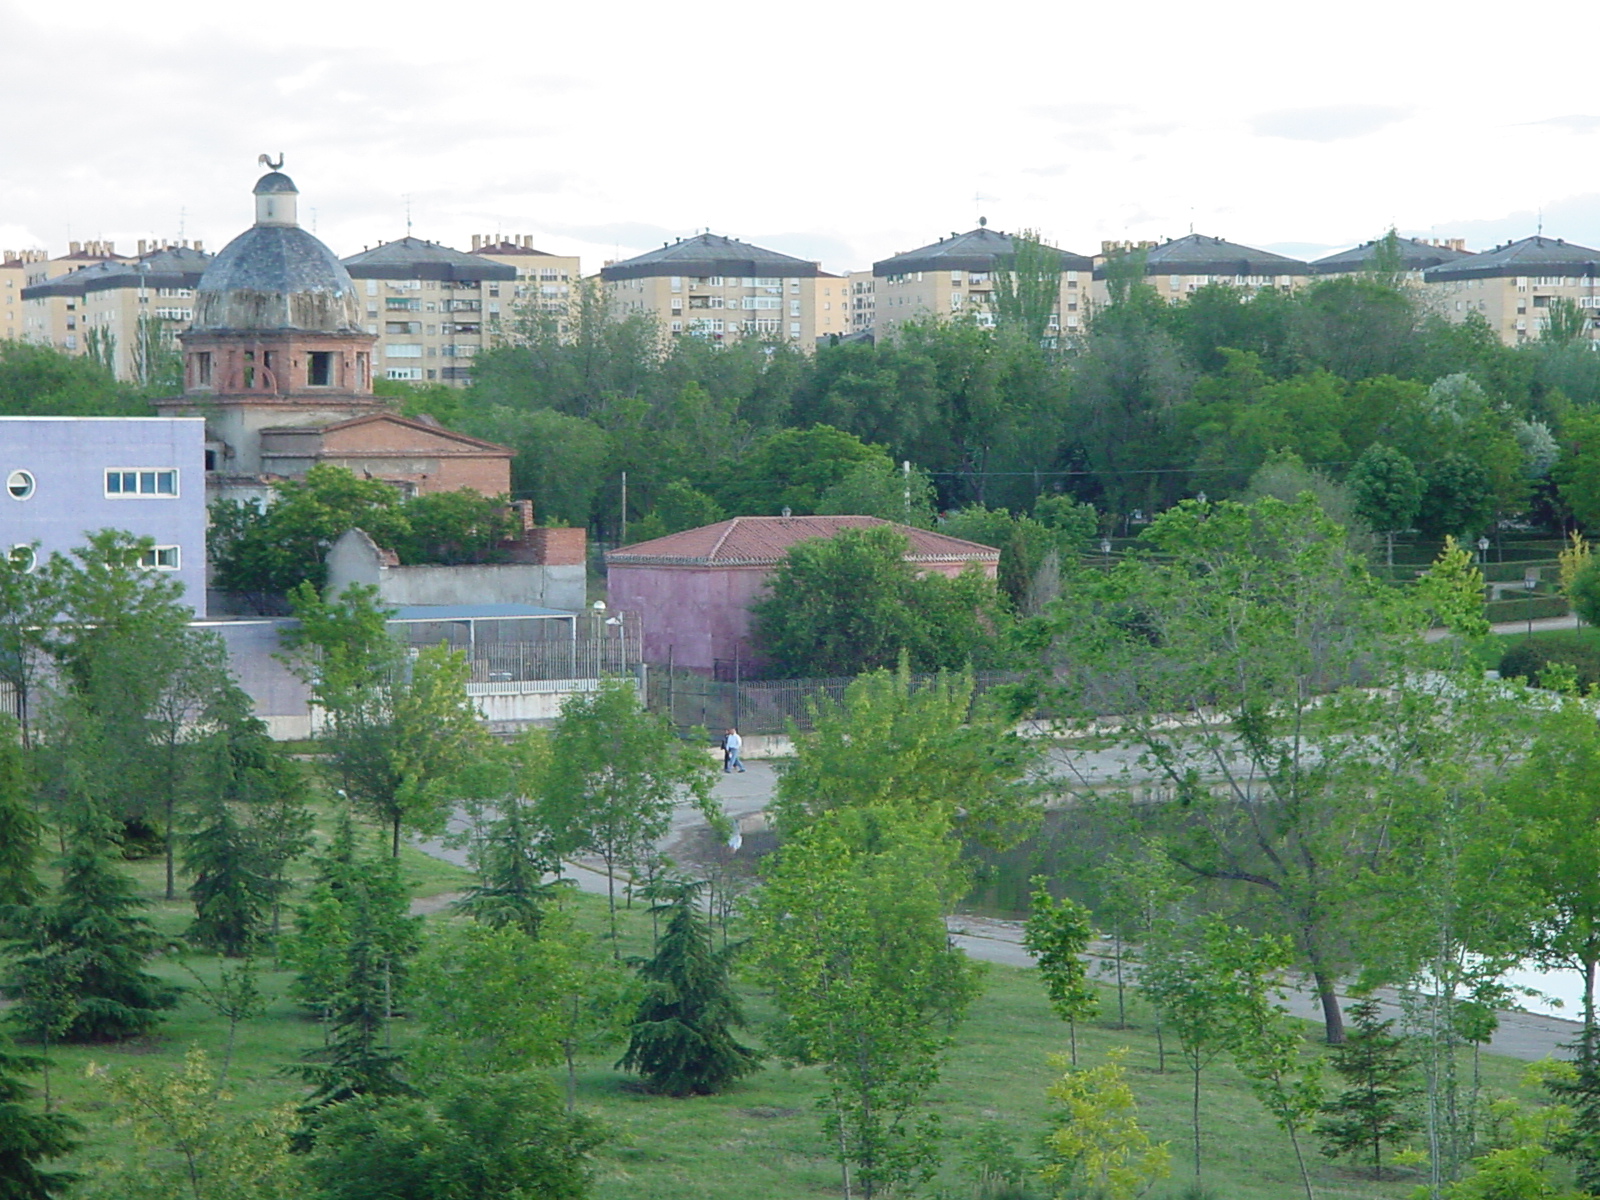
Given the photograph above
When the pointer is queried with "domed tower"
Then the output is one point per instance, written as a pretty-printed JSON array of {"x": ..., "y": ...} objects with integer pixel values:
[{"x": 277, "y": 338}]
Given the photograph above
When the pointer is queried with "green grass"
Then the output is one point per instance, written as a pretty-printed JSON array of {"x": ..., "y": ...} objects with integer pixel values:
[{"x": 763, "y": 1138}]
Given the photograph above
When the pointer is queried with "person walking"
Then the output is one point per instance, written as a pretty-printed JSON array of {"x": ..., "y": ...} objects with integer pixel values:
[{"x": 731, "y": 745}]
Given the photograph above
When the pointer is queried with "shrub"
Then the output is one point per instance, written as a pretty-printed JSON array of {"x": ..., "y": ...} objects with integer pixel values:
[{"x": 1528, "y": 660}]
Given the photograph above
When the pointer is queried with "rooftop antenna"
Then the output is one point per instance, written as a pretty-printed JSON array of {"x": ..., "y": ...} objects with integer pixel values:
[
  {"x": 407, "y": 199},
  {"x": 182, "y": 214},
  {"x": 1539, "y": 228},
  {"x": 313, "y": 220}
]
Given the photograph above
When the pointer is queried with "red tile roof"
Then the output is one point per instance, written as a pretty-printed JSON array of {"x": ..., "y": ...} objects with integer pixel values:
[{"x": 763, "y": 541}]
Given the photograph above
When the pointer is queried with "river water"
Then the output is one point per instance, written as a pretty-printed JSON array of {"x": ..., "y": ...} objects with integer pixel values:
[{"x": 1058, "y": 853}]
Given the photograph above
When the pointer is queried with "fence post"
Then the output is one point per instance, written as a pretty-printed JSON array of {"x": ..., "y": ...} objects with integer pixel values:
[
  {"x": 735, "y": 685},
  {"x": 672, "y": 708}
]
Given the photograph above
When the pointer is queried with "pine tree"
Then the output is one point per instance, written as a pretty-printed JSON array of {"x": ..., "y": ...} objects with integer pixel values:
[
  {"x": 680, "y": 1040},
  {"x": 1580, "y": 1143},
  {"x": 92, "y": 931},
  {"x": 29, "y": 1139},
  {"x": 232, "y": 890},
  {"x": 19, "y": 828},
  {"x": 512, "y": 864},
  {"x": 1372, "y": 1112},
  {"x": 376, "y": 939}
]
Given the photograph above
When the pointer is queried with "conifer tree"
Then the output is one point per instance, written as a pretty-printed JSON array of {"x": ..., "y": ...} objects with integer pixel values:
[
  {"x": 680, "y": 1040},
  {"x": 92, "y": 930},
  {"x": 233, "y": 881},
  {"x": 373, "y": 940},
  {"x": 1371, "y": 1113},
  {"x": 19, "y": 828},
  {"x": 1580, "y": 1142},
  {"x": 29, "y": 1139}
]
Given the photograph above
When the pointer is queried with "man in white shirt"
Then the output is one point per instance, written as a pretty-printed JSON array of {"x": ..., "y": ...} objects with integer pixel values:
[{"x": 731, "y": 743}]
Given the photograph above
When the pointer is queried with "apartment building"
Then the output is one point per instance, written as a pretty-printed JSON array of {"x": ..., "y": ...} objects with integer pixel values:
[
  {"x": 1513, "y": 286},
  {"x": 125, "y": 312},
  {"x": 1179, "y": 267},
  {"x": 427, "y": 305},
  {"x": 863, "y": 296},
  {"x": 145, "y": 475},
  {"x": 717, "y": 288},
  {"x": 1416, "y": 256},
  {"x": 832, "y": 316},
  {"x": 544, "y": 287},
  {"x": 57, "y": 320},
  {"x": 14, "y": 266},
  {"x": 954, "y": 277}
]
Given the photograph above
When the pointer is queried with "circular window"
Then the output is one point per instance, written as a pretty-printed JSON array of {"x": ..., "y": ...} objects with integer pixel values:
[
  {"x": 24, "y": 557},
  {"x": 19, "y": 484}
]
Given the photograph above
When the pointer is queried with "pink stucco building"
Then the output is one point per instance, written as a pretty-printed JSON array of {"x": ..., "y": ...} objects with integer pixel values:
[{"x": 693, "y": 589}]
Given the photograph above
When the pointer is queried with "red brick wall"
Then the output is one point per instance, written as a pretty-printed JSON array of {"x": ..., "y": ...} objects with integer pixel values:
[{"x": 558, "y": 547}]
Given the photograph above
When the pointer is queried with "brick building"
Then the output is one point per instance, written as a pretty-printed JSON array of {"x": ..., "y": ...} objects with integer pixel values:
[
  {"x": 693, "y": 590},
  {"x": 280, "y": 364}
]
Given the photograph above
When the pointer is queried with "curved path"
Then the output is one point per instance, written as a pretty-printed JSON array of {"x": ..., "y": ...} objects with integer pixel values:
[{"x": 1522, "y": 1035}]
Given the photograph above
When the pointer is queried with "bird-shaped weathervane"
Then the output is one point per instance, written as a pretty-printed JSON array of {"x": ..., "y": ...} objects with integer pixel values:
[{"x": 266, "y": 161}]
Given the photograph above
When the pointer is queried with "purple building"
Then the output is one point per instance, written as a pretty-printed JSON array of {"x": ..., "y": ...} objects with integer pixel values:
[{"x": 67, "y": 477}]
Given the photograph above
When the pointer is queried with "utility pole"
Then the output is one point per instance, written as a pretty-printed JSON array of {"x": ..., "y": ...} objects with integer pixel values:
[
  {"x": 905, "y": 471},
  {"x": 624, "y": 534}
]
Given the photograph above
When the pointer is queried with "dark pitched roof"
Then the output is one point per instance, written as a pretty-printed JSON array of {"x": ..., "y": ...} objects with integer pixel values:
[
  {"x": 711, "y": 254},
  {"x": 976, "y": 250},
  {"x": 510, "y": 249},
  {"x": 275, "y": 277},
  {"x": 172, "y": 267},
  {"x": 414, "y": 258},
  {"x": 1414, "y": 256},
  {"x": 1197, "y": 254},
  {"x": 763, "y": 541},
  {"x": 1530, "y": 256}
]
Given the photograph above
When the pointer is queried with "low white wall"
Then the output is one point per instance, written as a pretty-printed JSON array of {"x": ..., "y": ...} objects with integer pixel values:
[{"x": 497, "y": 583}]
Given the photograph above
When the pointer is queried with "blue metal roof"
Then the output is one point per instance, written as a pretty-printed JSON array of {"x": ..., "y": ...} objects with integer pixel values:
[{"x": 473, "y": 612}]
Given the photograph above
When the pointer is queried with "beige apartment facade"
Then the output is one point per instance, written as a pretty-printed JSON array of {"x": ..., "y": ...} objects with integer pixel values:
[
  {"x": 1179, "y": 267},
  {"x": 955, "y": 278},
  {"x": 426, "y": 304},
  {"x": 125, "y": 312},
  {"x": 832, "y": 316},
  {"x": 719, "y": 289},
  {"x": 1513, "y": 286},
  {"x": 57, "y": 320},
  {"x": 544, "y": 288},
  {"x": 14, "y": 266}
]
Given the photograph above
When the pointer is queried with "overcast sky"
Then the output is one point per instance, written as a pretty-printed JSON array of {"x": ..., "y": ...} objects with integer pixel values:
[{"x": 843, "y": 133}]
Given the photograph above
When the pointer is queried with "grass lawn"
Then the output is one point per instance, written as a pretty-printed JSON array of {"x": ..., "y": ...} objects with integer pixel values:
[{"x": 763, "y": 1138}]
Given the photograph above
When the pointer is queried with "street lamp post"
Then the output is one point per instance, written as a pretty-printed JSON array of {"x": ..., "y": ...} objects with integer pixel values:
[
  {"x": 1529, "y": 584},
  {"x": 1483, "y": 550},
  {"x": 1105, "y": 551}
]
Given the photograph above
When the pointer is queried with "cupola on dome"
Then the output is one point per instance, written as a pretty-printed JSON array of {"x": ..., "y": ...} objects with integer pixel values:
[{"x": 275, "y": 275}]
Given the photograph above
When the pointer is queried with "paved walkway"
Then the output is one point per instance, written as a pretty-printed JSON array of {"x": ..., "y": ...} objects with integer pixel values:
[{"x": 1527, "y": 1036}]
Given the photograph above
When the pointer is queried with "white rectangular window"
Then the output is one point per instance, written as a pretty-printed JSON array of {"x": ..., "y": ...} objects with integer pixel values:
[
  {"x": 403, "y": 350},
  {"x": 160, "y": 558},
  {"x": 794, "y": 308},
  {"x": 124, "y": 483},
  {"x": 677, "y": 283},
  {"x": 794, "y": 329}
]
